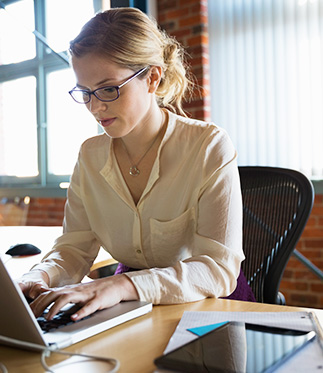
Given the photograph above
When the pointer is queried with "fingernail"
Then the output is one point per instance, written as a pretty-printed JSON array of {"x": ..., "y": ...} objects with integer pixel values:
[{"x": 75, "y": 316}]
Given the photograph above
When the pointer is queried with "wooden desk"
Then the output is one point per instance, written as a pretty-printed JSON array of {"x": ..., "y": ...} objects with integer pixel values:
[{"x": 138, "y": 342}]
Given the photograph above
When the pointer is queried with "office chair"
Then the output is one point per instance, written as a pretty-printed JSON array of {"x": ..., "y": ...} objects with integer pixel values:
[{"x": 276, "y": 205}]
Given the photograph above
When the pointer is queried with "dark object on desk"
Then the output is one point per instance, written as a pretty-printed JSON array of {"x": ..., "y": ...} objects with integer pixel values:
[
  {"x": 23, "y": 249},
  {"x": 276, "y": 205},
  {"x": 237, "y": 347}
]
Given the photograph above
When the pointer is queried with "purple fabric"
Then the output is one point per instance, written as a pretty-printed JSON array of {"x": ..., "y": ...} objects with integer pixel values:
[
  {"x": 242, "y": 292},
  {"x": 122, "y": 268}
]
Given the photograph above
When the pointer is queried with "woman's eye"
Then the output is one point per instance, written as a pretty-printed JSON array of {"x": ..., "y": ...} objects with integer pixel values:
[{"x": 108, "y": 90}]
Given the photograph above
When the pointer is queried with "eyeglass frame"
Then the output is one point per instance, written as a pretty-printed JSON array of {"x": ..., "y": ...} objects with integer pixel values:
[{"x": 116, "y": 87}]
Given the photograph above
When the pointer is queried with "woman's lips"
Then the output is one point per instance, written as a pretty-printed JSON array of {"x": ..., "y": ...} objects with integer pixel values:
[{"x": 106, "y": 121}]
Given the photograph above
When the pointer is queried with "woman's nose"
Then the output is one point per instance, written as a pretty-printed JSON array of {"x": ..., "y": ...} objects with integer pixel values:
[{"x": 96, "y": 105}]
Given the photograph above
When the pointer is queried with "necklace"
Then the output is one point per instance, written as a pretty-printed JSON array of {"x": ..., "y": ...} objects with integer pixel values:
[{"x": 134, "y": 170}]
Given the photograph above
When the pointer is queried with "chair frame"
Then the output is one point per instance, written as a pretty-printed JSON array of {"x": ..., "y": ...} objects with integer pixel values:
[{"x": 265, "y": 281}]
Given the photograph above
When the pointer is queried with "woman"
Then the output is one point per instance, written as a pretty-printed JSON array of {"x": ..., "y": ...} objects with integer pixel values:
[{"x": 160, "y": 192}]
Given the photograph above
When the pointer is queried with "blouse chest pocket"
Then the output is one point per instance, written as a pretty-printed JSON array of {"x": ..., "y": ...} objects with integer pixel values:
[{"x": 172, "y": 240}]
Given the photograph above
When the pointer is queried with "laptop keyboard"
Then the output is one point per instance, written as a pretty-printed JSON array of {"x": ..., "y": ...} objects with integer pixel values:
[{"x": 62, "y": 318}]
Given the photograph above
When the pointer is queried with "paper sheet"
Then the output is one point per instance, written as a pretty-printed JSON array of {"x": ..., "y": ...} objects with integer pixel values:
[{"x": 309, "y": 359}]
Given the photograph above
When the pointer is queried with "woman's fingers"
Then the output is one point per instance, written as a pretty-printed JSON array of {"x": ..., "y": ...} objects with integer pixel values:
[
  {"x": 89, "y": 308},
  {"x": 92, "y": 296},
  {"x": 37, "y": 289},
  {"x": 60, "y": 297},
  {"x": 57, "y": 298},
  {"x": 32, "y": 289},
  {"x": 64, "y": 299}
]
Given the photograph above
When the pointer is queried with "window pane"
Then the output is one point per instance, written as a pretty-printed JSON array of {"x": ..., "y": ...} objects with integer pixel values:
[
  {"x": 17, "y": 43},
  {"x": 69, "y": 123},
  {"x": 64, "y": 21},
  {"x": 18, "y": 128}
]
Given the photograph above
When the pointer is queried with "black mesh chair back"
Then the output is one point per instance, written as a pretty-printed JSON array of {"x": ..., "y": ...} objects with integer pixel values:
[{"x": 276, "y": 205}]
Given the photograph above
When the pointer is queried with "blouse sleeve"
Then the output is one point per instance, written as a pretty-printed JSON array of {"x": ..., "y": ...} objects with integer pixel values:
[{"x": 74, "y": 252}]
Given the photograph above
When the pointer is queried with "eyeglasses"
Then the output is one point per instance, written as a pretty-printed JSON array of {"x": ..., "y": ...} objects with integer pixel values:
[{"x": 105, "y": 94}]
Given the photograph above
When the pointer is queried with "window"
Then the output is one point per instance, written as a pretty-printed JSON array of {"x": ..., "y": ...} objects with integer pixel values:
[
  {"x": 267, "y": 80},
  {"x": 41, "y": 128}
]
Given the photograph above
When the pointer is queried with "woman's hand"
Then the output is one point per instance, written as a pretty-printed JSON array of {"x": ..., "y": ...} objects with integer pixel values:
[
  {"x": 92, "y": 296},
  {"x": 34, "y": 284}
]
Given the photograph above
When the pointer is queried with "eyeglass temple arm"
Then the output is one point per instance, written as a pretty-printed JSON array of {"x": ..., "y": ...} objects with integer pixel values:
[{"x": 133, "y": 77}]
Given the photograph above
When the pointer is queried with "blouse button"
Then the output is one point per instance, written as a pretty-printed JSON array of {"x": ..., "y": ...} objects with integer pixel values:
[{"x": 138, "y": 251}]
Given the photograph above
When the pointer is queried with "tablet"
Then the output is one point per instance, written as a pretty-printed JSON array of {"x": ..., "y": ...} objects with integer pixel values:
[{"x": 236, "y": 347}]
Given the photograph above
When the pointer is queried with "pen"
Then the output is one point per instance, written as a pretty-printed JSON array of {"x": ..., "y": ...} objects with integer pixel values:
[{"x": 317, "y": 328}]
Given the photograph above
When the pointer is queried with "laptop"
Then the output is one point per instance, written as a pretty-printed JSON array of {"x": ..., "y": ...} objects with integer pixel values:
[{"x": 18, "y": 322}]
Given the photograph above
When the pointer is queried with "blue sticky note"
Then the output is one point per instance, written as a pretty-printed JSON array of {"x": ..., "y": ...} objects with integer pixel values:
[{"x": 206, "y": 328}]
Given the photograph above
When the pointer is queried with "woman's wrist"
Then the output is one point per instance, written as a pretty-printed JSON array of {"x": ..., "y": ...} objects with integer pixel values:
[
  {"x": 129, "y": 291},
  {"x": 35, "y": 276}
]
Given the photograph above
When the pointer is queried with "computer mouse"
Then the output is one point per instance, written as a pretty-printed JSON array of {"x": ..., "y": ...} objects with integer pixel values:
[{"x": 23, "y": 249}]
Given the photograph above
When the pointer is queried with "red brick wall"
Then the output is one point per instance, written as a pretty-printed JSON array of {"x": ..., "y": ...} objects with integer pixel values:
[
  {"x": 46, "y": 211},
  {"x": 299, "y": 285},
  {"x": 187, "y": 21}
]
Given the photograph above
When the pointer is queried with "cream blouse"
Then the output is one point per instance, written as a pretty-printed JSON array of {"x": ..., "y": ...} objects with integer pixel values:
[{"x": 185, "y": 233}]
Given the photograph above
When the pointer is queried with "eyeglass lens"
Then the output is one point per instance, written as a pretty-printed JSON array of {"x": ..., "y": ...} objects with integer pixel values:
[{"x": 105, "y": 94}]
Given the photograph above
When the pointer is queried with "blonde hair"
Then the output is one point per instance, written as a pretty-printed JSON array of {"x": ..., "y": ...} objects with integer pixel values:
[{"x": 133, "y": 40}]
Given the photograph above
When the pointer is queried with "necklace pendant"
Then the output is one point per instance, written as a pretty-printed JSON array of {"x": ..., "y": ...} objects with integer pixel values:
[{"x": 133, "y": 171}]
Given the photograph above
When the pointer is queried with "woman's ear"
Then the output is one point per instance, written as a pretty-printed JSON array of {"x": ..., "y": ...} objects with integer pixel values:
[{"x": 154, "y": 77}]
